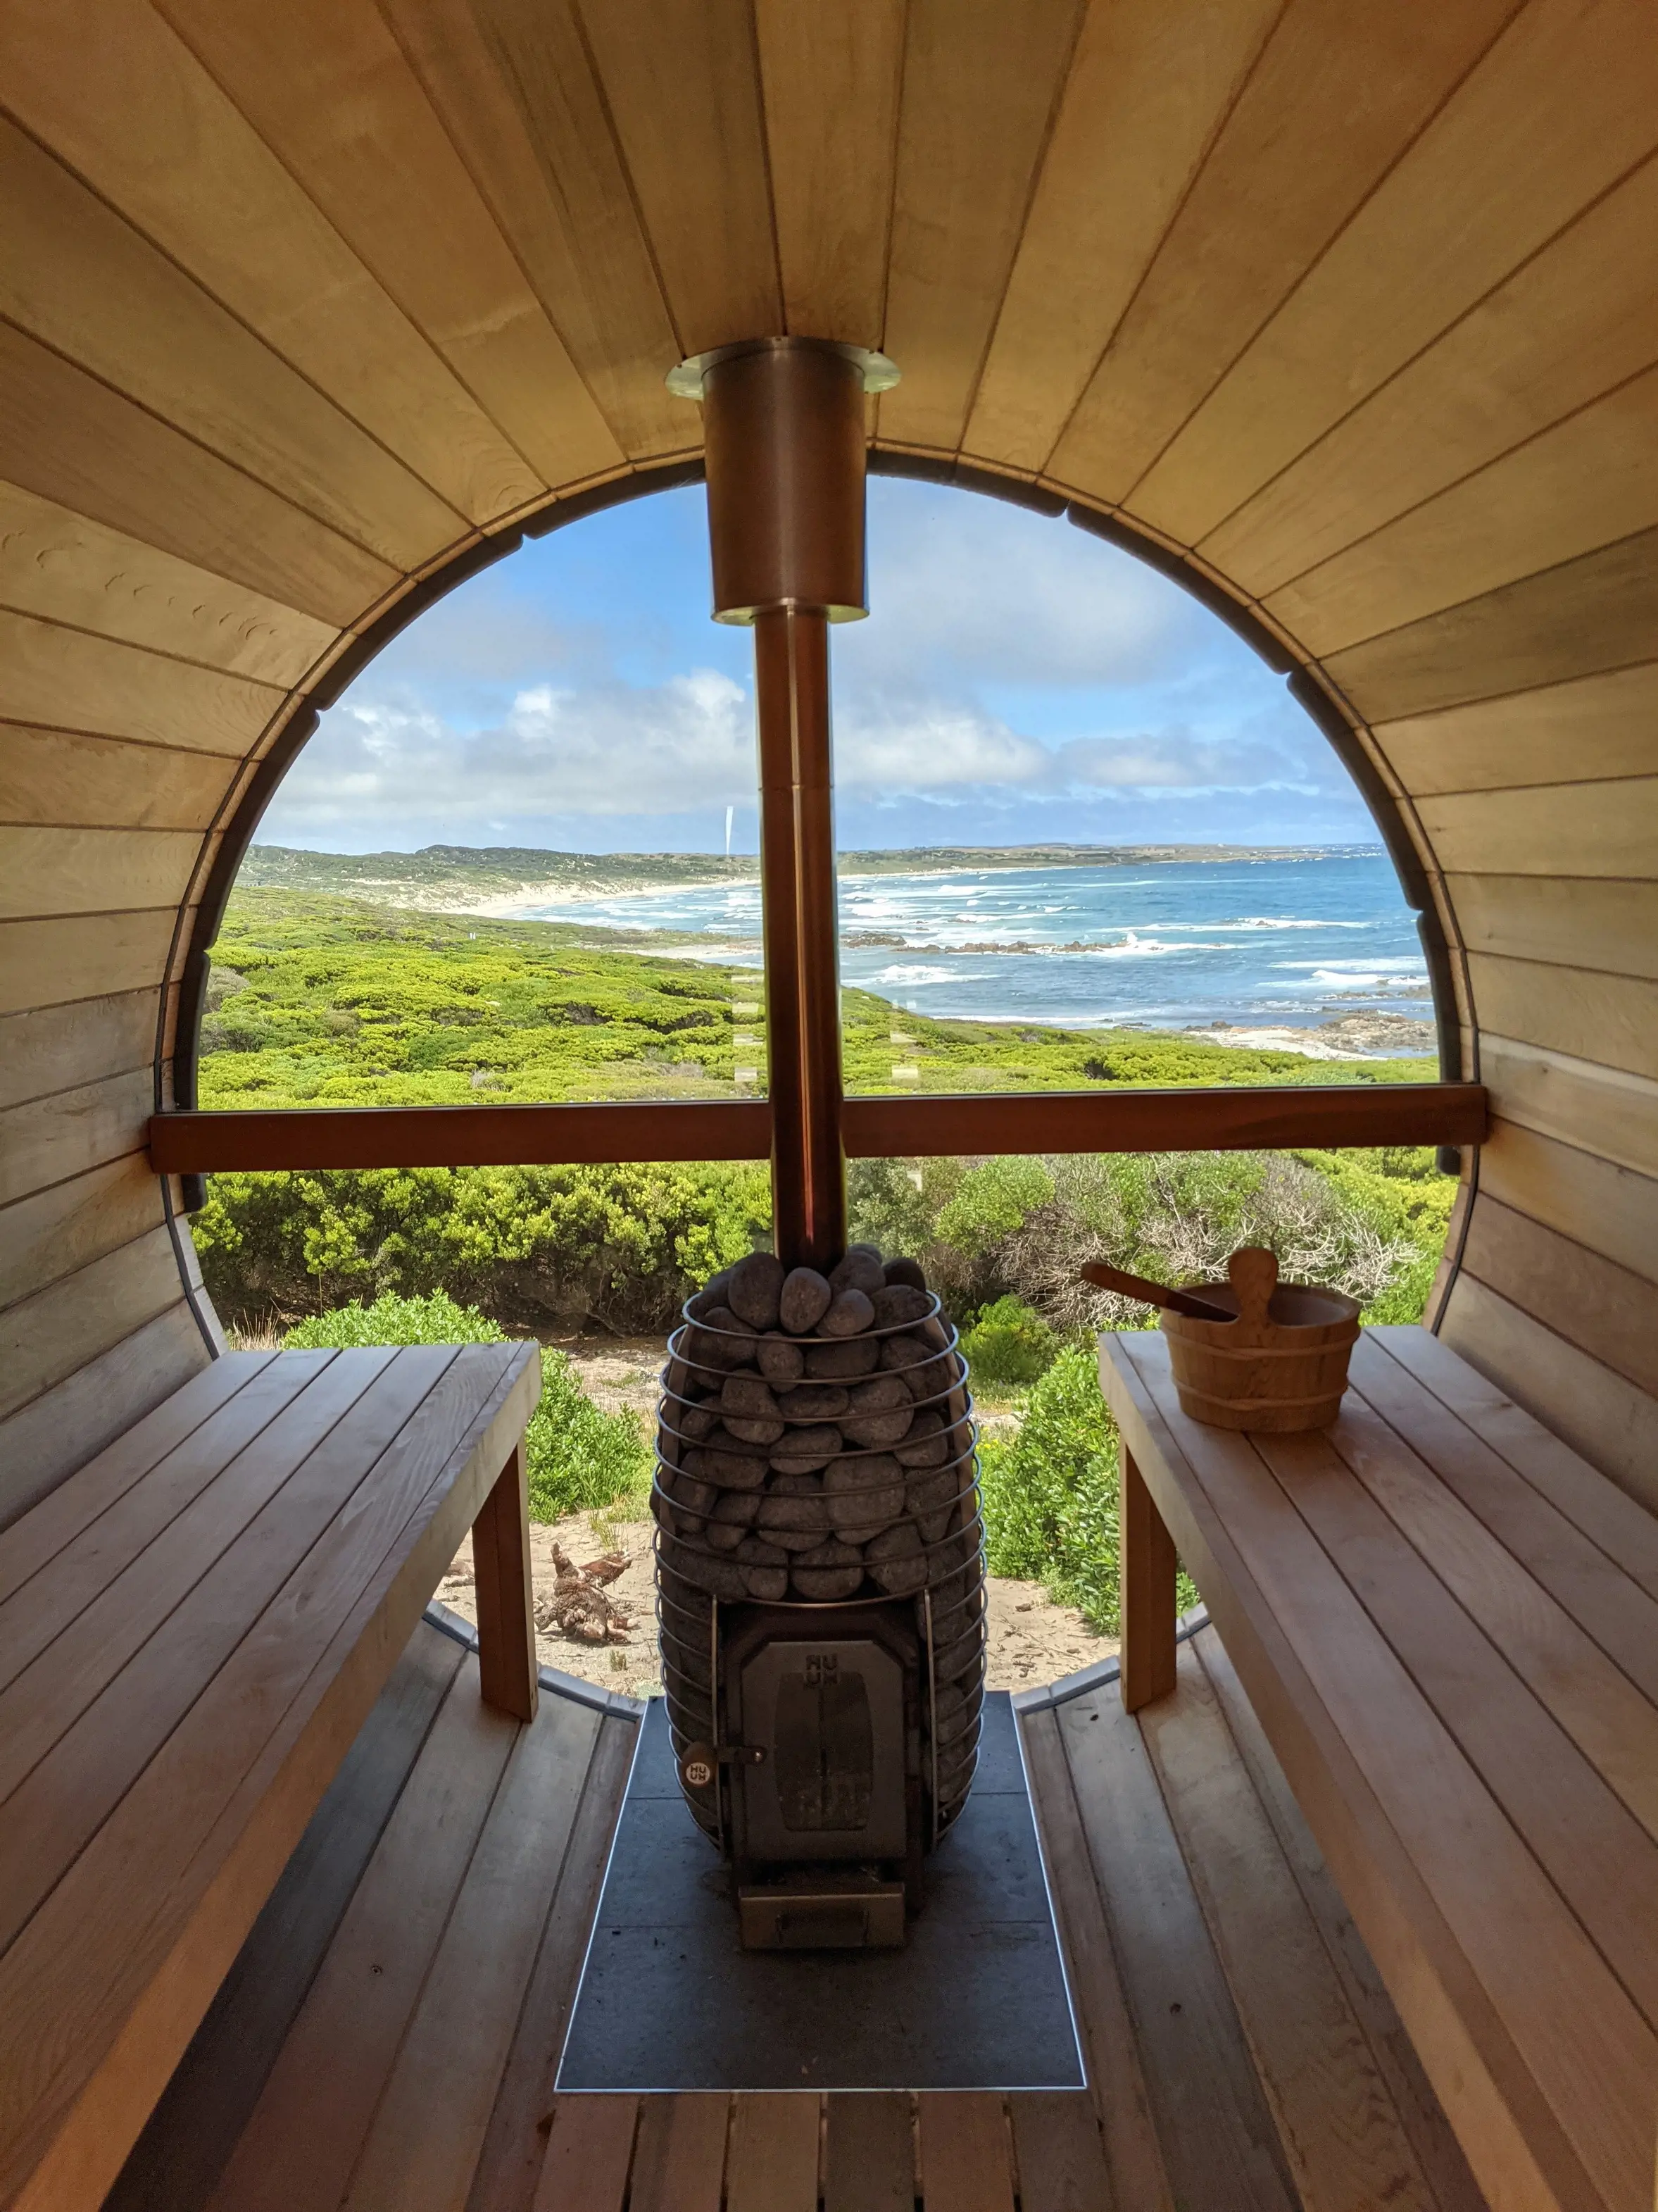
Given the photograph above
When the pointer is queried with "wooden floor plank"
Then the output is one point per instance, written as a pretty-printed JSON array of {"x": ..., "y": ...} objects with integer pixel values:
[
  {"x": 512, "y": 2157},
  {"x": 772, "y": 2165},
  {"x": 78, "y": 1501},
  {"x": 424, "y": 2146},
  {"x": 1059, "y": 2153},
  {"x": 589, "y": 2150},
  {"x": 966, "y": 2153},
  {"x": 1110, "y": 2045},
  {"x": 1336, "y": 2119},
  {"x": 1594, "y": 1849},
  {"x": 298, "y": 2151},
  {"x": 680, "y": 2158},
  {"x": 1421, "y": 2114},
  {"x": 177, "y": 2161},
  {"x": 868, "y": 2153},
  {"x": 1217, "y": 2136}
]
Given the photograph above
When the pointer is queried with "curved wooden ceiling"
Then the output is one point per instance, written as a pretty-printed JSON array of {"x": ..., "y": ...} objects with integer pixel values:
[{"x": 1351, "y": 306}]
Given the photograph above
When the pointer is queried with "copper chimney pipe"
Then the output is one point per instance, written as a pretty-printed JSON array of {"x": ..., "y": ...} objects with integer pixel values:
[{"x": 783, "y": 427}]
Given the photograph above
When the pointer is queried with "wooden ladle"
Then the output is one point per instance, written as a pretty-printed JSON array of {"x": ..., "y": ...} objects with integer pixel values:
[{"x": 1161, "y": 1294}]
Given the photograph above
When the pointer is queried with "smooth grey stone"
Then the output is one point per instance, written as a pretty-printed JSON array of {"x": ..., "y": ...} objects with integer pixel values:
[
  {"x": 865, "y": 1495},
  {"x": 906, "y": 1271},
  {"x": 764, "y": 1433},
  {"x": 843, "y": 1361},
  {"x": 765, "y": 1570},
  {"x": 831, "y": 1571},
  {"x": 813, "y": 1401},
  {"x": 880, "y": 1413},
  {"x": 861, "y": 1270},
  {"x": 724, "y": 1349},
  {"x": 803, "y": 1451},
  {"x": 731, "y": 1470},
  {"x": 900, "y": 1305},
  {"x": 702, "y": 1303},
  {"x": 695, "y": 1422},
  {"x": 795, "y": 1513},
  {"x": 780, "y": 1360},
  {"x": 804, "y": 1300},
  {"x": 849, "y": 1313},
  {"x": 926, "y": 1443},
  {"x": 896, "y": 1560},
  {"x": 754, "y": 1288},
  {"x": 749, "y": 1397}
]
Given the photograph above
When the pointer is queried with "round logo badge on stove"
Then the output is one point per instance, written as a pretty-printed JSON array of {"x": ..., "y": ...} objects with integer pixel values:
[{"x": 696, "y": 1769}]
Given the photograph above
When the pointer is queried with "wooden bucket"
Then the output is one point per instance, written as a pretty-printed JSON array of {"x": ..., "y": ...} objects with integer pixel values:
[{"x": 1281, "y": 1365}]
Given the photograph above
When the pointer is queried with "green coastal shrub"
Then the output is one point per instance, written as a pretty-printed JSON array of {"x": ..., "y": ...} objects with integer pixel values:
[
  {"x": 1050, "y": 1495},
  {"x": 1009, "y": 1344},
  {"x": 580, "y": 1457}
]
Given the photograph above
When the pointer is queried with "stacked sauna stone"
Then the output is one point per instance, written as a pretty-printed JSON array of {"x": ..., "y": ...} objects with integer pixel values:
[{"x": 815, "y": 1446}]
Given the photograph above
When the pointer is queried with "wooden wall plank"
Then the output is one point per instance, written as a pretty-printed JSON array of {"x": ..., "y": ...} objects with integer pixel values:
[
  {"x": 1598, "y": 725},
  {"x": 1321, "y": 120},
  {"x": 1147, "y": 89},
  {"x": 1612, "y": 1209},
  {"x": 45, "y": 1338},
  {"x": 1557, "y": 830},
  {"x": 83, "y": 281},
  {"x": 1590, "y": 614},
  {"x": 71, "y": 438},
  {"x": 830, "y": 81},
  {"x": 70, "y": 1424},
  {"x": 119, "y": 118},
  {"x": 981, "y": 84},
  {"x": 1599, "y": 1109},
  {"x": 46, "y": 1140},
  {"x": 514, "y": 83},
  {"x": 81, "y": 956},
  {"x": 52, "y": 1232},
  {"x": 1559, "y": 333},
  {"x": 1611, "y": 1422},
  {"x": 61, "y": 776},
  {"x": 1611, "y": 1020},
  {"x": 683, "y": 86},
  {"x": 1545, "y": 123},
  {"x": 65, "y": 1048},
  {"x": 1605, "y": 1310},
  {"x": 1591, "y": 480},
  {"x": 1562, "y": 920},
  {"x": 45, "y": 870},
  {"x": 68, "y": 680},
  {"x": 325, "y": 80},
  {"x": 65, "y": 568}
]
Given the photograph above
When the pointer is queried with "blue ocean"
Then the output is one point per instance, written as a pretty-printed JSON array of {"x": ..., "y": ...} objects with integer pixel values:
[{"x": 1283, "y": 941}]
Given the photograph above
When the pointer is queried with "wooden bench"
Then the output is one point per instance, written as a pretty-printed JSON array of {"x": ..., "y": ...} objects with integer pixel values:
[
  {"x": 1448, "y": 1624},
  {"x": 192, "y": 1630}
]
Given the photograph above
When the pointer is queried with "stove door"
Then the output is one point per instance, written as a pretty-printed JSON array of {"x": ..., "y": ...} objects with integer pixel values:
[{"x": 829, "y": 1719}]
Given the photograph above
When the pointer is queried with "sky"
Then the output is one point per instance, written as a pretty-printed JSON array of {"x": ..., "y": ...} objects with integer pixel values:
[{"x": 1017, "y": 682}]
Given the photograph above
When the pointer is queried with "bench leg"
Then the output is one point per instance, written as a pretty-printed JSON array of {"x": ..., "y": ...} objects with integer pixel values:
[
  {"x": 1147, "y": 1557},
  {"x": 500, "y": 1563}
]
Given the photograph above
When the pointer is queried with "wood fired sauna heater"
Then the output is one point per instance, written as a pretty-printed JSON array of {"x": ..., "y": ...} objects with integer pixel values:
[{"x": 820, "y": 1589}]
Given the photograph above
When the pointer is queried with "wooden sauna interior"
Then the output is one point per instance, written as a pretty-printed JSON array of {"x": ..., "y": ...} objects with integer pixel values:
[{"x": 1346, "y": 316}]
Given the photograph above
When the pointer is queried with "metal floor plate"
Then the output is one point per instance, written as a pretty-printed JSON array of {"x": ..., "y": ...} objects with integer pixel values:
[{"x": 975, "y": 2000}]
